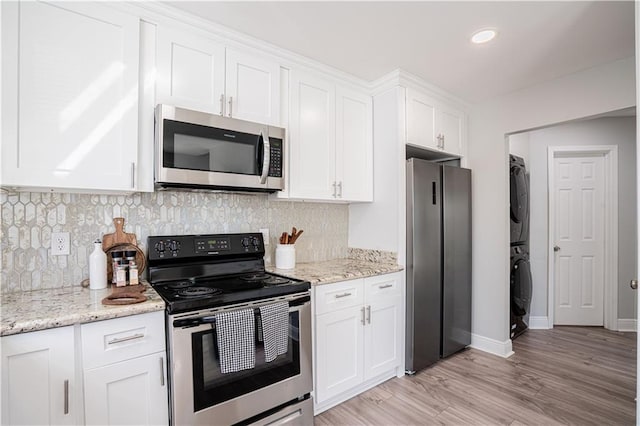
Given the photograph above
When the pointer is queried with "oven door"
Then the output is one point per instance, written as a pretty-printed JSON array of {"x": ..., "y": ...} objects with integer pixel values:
[
  {"x": 202, "y": 395},
  {"x": 197, "y": 149}
]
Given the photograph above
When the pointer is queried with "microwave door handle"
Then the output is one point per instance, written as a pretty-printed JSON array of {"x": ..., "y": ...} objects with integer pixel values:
[{"x": 266, "y": 156}]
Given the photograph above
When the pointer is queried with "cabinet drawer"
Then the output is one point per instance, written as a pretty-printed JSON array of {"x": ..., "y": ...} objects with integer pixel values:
[
  {"x": 331, "y": 297},
  {"x": 382, "y": 286},
  {"x": 106, "y": 342}
]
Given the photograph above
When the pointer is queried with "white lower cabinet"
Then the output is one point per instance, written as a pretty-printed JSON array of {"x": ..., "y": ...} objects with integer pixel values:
[
  {"x": 358, "y": 337},
  {"x": 123, "y": 374},
  {"x": 125, "y": 371},
  {"x": 127, "y": 392},
  {"x": 39, "y": 378}
]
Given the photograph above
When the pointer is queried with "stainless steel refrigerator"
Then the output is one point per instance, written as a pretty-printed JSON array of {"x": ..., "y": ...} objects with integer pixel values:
[{"x": 438, "y": 262}]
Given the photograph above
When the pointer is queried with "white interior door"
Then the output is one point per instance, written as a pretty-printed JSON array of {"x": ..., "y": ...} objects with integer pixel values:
[{"x": 579, "y": 191}]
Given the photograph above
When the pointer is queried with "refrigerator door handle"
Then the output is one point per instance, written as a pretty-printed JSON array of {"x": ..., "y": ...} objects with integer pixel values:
[{"x": 433, "y": 192}]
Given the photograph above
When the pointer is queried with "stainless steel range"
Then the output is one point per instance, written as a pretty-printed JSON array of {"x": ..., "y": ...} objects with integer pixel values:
[{"x": 205, "y": 280}]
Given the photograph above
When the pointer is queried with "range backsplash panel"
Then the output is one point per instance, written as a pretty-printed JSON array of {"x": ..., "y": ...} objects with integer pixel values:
[{"x": 29, "y": 218}]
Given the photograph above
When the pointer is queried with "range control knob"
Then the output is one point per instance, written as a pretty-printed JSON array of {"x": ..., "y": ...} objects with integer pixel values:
[
  {"x": 245, "y": 242},
  {"x": 255, "y": 241},
  {"x": 174, "y": 246},
  {"x": 160, "y": 247}
]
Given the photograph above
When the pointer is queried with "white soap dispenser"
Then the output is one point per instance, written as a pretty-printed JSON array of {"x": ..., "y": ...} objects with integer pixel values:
[{"x": 97, "y": 267}]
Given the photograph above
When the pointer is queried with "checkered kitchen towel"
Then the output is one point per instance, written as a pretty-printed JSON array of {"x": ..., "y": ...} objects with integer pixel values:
[
  {"x": 236, "y": 346},
  {"x": 275, "y": 329}
]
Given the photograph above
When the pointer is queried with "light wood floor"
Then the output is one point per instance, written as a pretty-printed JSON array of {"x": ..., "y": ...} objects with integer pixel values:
[{"x": 568, "y": 375}]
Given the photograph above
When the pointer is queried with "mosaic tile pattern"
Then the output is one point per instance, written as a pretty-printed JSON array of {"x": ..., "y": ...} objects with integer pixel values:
[{"x": 28, "y": 219}]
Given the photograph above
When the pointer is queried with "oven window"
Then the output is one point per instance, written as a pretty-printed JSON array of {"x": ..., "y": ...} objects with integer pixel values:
[
  {"x": 195, "y": 147},
  {"x": 211, "y": 387}
]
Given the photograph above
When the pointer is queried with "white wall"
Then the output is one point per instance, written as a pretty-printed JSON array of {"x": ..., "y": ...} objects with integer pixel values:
[
  {"x": 591, "y": 92},
  {"x": 618, "y": 131}
]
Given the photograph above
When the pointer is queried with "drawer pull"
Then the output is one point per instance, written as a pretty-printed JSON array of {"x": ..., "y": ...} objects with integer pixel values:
[
  {"x": 385, "y": 286},
  {"x": 340, "y": 296},
  {"x": 125, "y": 339},
  {"x": 66, "y": 397}
]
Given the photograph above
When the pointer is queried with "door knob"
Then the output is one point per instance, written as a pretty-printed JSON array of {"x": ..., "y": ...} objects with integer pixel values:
[
  {"x": 634, "y": 284},
  {"x": 556, "y": 248}
]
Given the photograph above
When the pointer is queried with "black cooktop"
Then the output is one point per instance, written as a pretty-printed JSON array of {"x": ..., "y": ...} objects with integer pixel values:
[
  {"x": 192, "y": 294},
  {"x": 192, "y": 272}
]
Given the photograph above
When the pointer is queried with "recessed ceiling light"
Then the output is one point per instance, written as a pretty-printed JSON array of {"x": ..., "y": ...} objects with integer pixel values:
[{"x": 483, "y": 36}]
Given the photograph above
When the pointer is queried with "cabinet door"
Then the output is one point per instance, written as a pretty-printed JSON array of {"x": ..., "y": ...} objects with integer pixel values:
[
  {"x": 354, "y": 145},
  {"x": 421, "y": 120},
  {"x": 75, "y": 101},
  {"x": 451, "y": 128},
  {"x": 190, "y": 71},
  {"x": 252, "y": 88},
  {"x": 384, "y": 329},
  {"x": 38, "y": 378},
  {"x": 132, "y": 392},
  {"x": 312, "y": 138},
  {"x": 338, "y": 351}
]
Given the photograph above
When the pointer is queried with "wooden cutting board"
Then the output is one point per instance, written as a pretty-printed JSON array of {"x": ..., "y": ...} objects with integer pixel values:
[{"x": 118, "y": 237}]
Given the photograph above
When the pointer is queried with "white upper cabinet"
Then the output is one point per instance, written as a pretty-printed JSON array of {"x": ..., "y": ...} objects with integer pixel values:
[
  {"x": 331, "y": 144},
  {"x": 252, "y": 88},
  {"x": 354, "y": 145},
  {"x": 196, "y": 72},
  {"x": 70, "y": 96},
  {"x": 433, "y": 124},
  {"x": 190, "y": 71},
  {"x": 312, "y": 137}
]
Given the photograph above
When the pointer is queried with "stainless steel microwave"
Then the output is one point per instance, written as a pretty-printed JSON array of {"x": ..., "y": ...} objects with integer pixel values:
[{"x": 197, "y": 150}]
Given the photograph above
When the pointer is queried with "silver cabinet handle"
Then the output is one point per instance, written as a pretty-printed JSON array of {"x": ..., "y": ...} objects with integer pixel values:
[
  {"x": 162, "y": 371},
  {"x": 369, "y": 314},
  {"x": 340, "y": 296},
  {"x": 125, "y": 339},
  {"x": 266, "y": 155},
  {"x": 340, "y": 187},
  {"x": 133, "y": 175},
  {"x": 634, "y": 284},
  {"x": 362, "y": 312},
  {"x": 222, "y": 105},
  {"x": 385, "y": 286},
  {"x": 230, "y": 106},
  {"x": 66, "y": 397},
  {"x": 334, "y": 190}
]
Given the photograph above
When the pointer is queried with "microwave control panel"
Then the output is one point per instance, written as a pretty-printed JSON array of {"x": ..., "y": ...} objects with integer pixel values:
[{"x": 275, "y": 166}]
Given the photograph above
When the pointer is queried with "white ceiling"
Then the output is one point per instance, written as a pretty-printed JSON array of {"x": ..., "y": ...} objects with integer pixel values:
[{"x": 537, "y": 41}]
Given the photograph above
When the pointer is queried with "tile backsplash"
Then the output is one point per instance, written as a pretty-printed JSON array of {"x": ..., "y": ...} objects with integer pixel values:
[{"x": 29, "y": 218}]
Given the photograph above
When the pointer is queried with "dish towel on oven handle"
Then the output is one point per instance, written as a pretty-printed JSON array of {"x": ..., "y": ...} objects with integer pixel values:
[
  {"x": 275, "y": 329},
  {"x": 236, "y": 346}
]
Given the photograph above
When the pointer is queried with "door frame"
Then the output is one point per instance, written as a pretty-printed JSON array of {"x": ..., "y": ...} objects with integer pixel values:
[{"x": 610, "y": 156}]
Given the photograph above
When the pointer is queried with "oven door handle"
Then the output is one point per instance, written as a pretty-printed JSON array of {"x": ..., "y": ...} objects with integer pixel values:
[
  {"x": 294, "y": 305},
  {"x": 193, "y": 322}
]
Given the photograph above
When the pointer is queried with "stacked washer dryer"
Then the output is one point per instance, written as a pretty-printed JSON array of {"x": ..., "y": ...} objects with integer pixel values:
[{"x": 521, "y": 285}]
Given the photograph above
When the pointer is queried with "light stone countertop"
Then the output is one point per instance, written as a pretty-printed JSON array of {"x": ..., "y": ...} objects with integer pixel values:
[
  {"x": 42, "y": 309},
  {"x": 336, "y": 270}
]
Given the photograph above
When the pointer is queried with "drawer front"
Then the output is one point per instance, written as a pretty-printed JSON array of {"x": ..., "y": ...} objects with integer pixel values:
[
  {"x": 345, "y": 294},
  {"x": 382, "y": 286},
  {"x": 115, "y": 340}
]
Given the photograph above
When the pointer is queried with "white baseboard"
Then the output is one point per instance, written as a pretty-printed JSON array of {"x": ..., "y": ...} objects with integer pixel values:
[
  {"x": 630, "y": 324},
  {"x": 496, "y": 347},
  {"x": 539, "y": 323}
]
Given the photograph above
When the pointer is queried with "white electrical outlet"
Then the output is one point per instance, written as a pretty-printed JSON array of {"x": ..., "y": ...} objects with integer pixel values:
[
  {"x": 60, "y": 243},
  {"x": 265, "y": 235}
]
